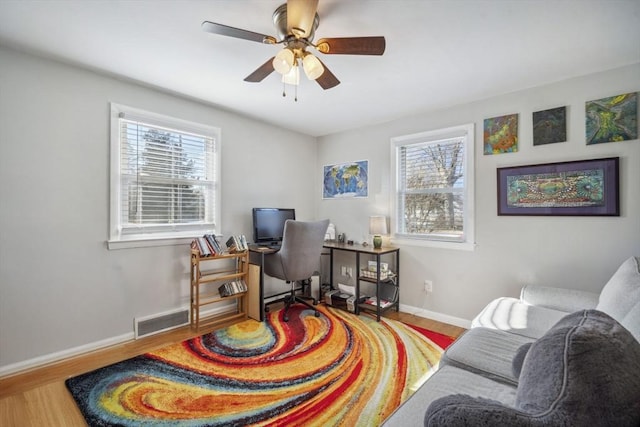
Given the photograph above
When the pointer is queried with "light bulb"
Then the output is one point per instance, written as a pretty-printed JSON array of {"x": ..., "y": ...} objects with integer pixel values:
[
  {"x": 292, "y": 77},
  {"x": 283, "y": 61},
  {"x": 312, "y": 67}
]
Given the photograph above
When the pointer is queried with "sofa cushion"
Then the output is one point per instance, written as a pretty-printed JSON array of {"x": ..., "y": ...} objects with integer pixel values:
[
  {"x": 562, "y": 299},
  {"x": 487, "y": 352},
  {"x": 585, "y": 371},
  {"x": 518, "y": 359},
  {"x": 622, "y": 291},
  {"x": 512, "y": 315},
  {"x": 445, "y": 381}
]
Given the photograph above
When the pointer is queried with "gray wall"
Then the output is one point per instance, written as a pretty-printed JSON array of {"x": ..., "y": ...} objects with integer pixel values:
[
  {"x": 62, "y": 291},
  {"x": 60, "y": 288},
  {"x": 572, "y": 252}
]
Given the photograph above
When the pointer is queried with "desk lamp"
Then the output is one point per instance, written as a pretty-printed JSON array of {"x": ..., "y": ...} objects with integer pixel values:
[{"x": 377, "y": 227}]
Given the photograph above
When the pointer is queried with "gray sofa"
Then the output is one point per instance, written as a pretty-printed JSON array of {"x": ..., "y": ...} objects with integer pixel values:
[{"x": 552, "y": 357}]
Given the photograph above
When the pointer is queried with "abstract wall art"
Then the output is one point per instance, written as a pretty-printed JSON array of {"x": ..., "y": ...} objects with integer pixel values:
[
  {"x": 612, "y": 119},
  {"x": 501, "y": 134},
  {"x": 550, "y": 126},
  {"x": 578, "y": 188}
]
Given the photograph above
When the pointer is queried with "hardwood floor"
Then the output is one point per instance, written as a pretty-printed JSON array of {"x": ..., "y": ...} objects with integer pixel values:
[{"x": 39, "y": 397}]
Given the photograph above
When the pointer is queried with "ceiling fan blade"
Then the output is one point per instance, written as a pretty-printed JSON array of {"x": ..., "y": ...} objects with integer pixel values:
[
  {"x": 352, "y": 45},
  {"x": 225, "y": 30},
  {"x": 327, "y": 80},
  {"x": 300, "y": 17},
  {"x": 261, "y": 72}
]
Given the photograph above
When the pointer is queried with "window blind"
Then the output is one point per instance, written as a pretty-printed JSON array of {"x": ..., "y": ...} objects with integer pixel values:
[{"x": 167, "y": 178}]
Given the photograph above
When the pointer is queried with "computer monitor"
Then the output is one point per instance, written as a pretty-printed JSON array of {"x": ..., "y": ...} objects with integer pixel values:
[{"x": 268, "y": 224}]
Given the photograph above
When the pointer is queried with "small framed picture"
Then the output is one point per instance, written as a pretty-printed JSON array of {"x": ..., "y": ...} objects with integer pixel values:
[{"x": 550, "y": 126}]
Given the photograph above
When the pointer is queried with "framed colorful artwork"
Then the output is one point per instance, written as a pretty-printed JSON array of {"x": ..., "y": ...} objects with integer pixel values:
[
  {"x": 612, "y": 119},
  {"x": 501, "y": 134},
  {"x": 550, "y": 126},
  {"x": 578, "y": 188},
  {"x": 346, "y": 180}
]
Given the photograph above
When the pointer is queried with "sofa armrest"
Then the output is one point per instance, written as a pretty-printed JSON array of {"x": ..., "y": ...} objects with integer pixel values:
[{"x": 568, "y": 300}]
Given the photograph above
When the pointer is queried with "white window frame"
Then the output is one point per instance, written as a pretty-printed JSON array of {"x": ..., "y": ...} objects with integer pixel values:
[
  {"x": 468, "y": 241},
  {"x": 160, "y": 235}
]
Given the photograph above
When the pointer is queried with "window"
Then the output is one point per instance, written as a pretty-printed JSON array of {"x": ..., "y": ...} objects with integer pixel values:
[
  {"x": 433, "y": 189},
  {"x": 164, "y": 178}
]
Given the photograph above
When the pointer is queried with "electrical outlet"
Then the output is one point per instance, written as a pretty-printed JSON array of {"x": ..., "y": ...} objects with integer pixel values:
[
  {"x": 343, "y": 270},
  {"x": 428, "y": 286},
  {"x": 349, "y": 272}
]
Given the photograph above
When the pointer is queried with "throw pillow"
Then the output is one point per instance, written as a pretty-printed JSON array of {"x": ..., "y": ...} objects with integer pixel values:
[
  {"x": 631, "y": 321},
  {"x": 622, "y": 291},
  {"x": 583, "y": 371}
]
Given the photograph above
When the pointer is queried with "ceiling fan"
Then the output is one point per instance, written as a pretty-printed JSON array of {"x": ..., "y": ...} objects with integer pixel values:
[{"x": 296, "y": 22}]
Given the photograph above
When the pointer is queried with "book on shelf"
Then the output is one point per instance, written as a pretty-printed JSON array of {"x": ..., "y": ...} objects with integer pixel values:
[
  {"x": 232, "y": 288},
  {"x": 237, "y": 243},
  {"x": 215, "y": 247},
  {"x": 203, "y": 247},
  {"x": 207, "y": 246}
]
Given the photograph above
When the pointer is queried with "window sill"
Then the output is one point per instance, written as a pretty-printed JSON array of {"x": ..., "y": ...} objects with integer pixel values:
[
  {"x": 461, "y": 246},
  {"x": 148, "y": 241}
]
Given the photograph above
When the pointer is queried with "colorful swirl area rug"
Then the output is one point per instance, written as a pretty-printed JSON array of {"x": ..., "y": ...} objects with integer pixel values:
[{"x": 334, "y": 370}]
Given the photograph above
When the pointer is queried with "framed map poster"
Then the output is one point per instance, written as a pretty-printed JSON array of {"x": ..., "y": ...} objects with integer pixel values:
[{"x": 346, "y": 180}]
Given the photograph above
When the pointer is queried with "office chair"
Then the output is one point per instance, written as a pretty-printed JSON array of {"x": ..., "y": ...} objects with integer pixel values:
[{"x": 298, "y": 258}]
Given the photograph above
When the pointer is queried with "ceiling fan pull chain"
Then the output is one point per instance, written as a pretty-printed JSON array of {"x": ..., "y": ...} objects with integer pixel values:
[
  {"x": 284, "y": 90},
  {"x": 296, "y": 94}
]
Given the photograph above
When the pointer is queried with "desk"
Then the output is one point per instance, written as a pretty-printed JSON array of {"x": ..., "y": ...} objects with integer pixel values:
[
  {"x": 377, "y": 254},
  {"x": 256, "y": 275}
]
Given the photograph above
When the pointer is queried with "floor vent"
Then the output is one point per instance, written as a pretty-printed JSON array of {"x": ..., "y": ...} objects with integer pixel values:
[{"x": 145, "y": 326}]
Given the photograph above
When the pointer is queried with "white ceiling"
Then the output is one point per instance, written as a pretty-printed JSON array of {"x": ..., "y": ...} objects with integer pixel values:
[{"x": 438, "y": 54}]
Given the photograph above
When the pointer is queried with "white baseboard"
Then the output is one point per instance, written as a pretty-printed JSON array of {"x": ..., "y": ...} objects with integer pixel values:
[
  {"x": 76, "y": 351},
  {"x": 434, "y": 315},
  {"x": 64, "y": 354}
]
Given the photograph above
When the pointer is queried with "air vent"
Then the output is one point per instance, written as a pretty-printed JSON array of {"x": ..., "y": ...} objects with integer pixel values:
[{"x": 149, "y": 325}]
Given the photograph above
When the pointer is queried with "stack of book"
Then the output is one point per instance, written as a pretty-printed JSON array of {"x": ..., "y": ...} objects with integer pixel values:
[
  {"x": 374, "y": 302},
  {"x": 237, "y": 244},
  {"x": 232, "y": 288},
  {"x": 207, "y": 245}
]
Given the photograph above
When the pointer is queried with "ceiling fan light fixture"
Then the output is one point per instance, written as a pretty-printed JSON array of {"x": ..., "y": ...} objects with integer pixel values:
[
  {"x": 296, "y": 22},
  {"x": 283, "y": 61},
  {"x": 312, "y": 67},
  {"x": 292, "y": 77}
]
